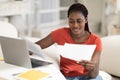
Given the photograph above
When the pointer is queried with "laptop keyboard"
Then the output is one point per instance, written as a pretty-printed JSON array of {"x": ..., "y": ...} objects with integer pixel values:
[{"x": 37, "y": 63}]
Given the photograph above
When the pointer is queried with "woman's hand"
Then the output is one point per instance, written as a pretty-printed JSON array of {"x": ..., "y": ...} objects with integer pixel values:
[
  {"x": 30, "y": 53},
  {"x": 93, "y": 65},
  {"x": 89, "y": 65}
]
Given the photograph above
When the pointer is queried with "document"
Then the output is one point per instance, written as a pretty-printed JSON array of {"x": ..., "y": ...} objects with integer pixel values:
[
  {"x": 37, "y": 52},
  {"x": 34, "y": 48},
  {"x": 32, "y": 74},
  {"x": 76, "y": 51}
]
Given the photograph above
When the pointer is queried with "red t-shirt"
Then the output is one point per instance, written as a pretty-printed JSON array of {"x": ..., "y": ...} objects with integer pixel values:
[{"x": 62, "y": 36}]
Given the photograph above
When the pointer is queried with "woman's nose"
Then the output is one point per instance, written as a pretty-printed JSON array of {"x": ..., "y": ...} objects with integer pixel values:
[{"x": 75, "y": 24}]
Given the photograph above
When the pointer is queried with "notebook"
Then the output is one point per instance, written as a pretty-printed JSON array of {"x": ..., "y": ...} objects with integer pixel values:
[{"x": 15, "y": 51}]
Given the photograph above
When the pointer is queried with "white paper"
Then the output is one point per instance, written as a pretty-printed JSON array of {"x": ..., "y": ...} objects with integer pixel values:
[
  {"x": 34, "y": 48},
  {"x": 37, "y": 52},
  {"x": 76, "y": 51}
]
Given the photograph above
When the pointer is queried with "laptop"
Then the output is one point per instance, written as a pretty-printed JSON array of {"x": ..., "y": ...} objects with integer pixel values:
[{"x": 15, "y": 51}]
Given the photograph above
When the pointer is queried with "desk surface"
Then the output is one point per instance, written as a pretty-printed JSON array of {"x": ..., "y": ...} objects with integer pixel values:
[{"x": 7, "y": 71}]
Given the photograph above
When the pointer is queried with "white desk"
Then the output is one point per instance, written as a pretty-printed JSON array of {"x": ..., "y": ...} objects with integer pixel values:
[{"x": 7, "y": 71}]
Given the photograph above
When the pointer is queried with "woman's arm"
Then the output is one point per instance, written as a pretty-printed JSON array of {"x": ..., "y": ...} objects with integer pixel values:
[
  {"x": 45, "y": 42},
  {"x": 95, "y": 59},
  {"x": 93, "y": 65}
]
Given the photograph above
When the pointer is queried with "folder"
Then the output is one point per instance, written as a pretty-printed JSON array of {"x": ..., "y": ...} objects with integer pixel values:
[
  {"x": 1, "y": 59},
  {"x": 32, "y": 74}
]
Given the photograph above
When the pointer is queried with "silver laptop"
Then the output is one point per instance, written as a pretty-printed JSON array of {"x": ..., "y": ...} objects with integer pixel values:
[{"x": 15, "y": 51}]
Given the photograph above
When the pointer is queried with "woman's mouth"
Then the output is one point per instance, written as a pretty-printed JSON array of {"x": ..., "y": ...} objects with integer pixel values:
[{"x": 76, "y": 29}]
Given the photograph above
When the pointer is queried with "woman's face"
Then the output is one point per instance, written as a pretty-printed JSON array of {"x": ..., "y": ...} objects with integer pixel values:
[{"x": 76, "y": 21}]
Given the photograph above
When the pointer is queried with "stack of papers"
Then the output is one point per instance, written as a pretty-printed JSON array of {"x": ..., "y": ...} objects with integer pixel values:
[
  {"x": 76, "y": 51},
  {"x": 32, "y": 74}
]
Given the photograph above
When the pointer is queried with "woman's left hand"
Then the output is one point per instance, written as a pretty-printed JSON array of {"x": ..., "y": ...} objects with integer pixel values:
[{"x": 89, "y": 65}]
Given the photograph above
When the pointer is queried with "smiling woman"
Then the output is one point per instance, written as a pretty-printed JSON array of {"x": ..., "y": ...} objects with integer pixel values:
[{"x": 77, "y": 33}]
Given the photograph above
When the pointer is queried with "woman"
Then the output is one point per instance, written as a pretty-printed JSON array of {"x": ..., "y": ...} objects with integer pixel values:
[{"x": 77, "y": 33}]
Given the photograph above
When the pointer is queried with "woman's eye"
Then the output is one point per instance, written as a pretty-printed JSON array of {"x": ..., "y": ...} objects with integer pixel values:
[
  {"x": 79, "y": 21},
  {"x": 71, "y": 21}
]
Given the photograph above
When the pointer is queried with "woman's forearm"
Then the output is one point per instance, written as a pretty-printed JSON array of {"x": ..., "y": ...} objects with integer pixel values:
[{"x": 93, "y": 73}]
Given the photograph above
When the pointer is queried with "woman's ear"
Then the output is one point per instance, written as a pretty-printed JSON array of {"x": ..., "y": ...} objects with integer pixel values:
[{"x": 86, "y": 19}]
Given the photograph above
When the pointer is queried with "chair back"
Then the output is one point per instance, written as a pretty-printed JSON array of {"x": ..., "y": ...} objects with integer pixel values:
[
  {"x": 8, "y": 30},
  {"x": 110, "y": 55}
]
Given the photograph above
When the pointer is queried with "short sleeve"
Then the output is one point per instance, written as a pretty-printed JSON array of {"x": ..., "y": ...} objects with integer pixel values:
[{"x": 98, "y": 43}]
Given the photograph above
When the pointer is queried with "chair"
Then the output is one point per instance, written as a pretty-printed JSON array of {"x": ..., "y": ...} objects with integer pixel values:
[
  {"x": 8, "y": 30},
  {"x": 110, "y": 55}
]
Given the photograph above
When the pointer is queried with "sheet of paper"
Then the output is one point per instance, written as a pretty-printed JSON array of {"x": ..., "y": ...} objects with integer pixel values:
[
  {"x": 37, "y": 52},
  {"x": 34, "y": 48},
  {"x": 77, "y": 51}
]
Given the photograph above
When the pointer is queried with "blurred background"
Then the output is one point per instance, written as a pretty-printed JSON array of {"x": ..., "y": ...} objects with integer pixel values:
[{"x": 37, "y": 18}]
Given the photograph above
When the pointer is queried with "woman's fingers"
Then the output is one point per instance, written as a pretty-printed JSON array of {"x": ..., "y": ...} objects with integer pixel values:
[
  {"x": 30, "y": 53},
  {"x": 89, "y": 65}
]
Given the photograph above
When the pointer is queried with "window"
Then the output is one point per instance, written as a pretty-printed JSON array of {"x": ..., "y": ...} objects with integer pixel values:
[{"x": 118, "y": 5}]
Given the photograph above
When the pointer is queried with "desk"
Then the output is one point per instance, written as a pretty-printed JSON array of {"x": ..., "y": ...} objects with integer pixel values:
[{"x": 7, "y": 71}]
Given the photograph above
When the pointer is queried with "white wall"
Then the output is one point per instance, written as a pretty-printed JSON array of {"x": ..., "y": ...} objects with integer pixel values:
[
  {"x": 98, "y": 13},
  {"x": 95, "y": 9}
]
